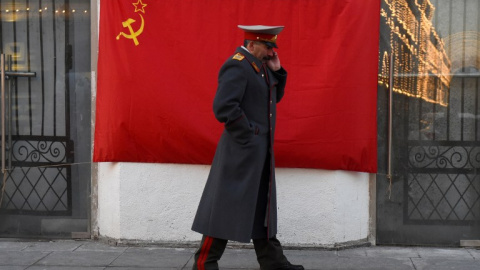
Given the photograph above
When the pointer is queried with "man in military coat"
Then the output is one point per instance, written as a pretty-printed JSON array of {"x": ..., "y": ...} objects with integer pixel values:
[{"x": 239, "y": 199}]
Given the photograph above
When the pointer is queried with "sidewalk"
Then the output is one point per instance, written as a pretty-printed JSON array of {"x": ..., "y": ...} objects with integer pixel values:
[{"x": 90, "y": 255}]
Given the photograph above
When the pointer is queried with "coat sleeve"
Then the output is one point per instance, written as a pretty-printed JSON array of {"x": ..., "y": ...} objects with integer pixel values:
[
  {"x": 281, "y": 76},
  {"x": 226, "y": 105}
]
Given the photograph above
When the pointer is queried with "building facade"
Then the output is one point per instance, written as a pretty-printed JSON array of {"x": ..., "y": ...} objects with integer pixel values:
[{"x": 427, "y": 189}]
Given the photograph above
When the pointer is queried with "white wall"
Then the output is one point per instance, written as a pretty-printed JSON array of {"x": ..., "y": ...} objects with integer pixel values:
[{"x": 157, "y": 202}]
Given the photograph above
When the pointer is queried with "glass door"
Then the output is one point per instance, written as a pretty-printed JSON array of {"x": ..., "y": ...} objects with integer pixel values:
[
  {"x": 45, "y": 47},
  {"x": 428, "y": 185}
]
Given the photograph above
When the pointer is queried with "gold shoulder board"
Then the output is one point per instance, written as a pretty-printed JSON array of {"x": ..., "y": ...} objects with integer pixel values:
[{"x": 238, "y": 57}]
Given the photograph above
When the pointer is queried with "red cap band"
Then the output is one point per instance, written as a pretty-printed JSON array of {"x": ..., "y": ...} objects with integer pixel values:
[{"x": 261, "y": 37}]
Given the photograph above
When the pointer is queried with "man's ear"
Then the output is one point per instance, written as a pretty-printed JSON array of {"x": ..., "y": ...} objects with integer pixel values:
[{"x": 250, "y": 46}]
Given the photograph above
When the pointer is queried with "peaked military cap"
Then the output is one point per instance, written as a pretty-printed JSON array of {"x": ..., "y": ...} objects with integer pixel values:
[{"x": 263, "y": 33}]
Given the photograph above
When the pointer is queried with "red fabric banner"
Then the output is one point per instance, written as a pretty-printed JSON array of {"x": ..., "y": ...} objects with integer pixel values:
[{"x": 157, "y": 75}]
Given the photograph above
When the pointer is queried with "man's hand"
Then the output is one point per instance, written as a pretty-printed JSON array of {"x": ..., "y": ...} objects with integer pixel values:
[{"x": 274, "y": 62}]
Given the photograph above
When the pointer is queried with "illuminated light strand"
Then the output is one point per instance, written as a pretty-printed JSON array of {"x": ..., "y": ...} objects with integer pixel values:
[
  {"x": 39, "y": 10},
  {"x": 406, "y": 35}
]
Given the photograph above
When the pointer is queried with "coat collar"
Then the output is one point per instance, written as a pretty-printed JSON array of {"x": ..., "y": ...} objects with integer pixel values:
[{"x": 254, "y": 62}]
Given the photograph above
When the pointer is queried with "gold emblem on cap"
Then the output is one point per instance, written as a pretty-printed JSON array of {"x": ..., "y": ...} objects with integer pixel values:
[{"x": 273, "y": 39}]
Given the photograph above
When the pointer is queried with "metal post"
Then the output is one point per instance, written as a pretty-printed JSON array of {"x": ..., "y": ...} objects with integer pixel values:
[
  {"x": 8, "y": 114},
  {"x": 2, "y": 108},
  {"x": 390, "y": 123},
  {"x": 2, "y": 64}
]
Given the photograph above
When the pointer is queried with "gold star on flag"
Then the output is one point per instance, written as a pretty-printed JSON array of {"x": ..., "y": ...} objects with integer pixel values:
[{"x": 139, "y": 6}]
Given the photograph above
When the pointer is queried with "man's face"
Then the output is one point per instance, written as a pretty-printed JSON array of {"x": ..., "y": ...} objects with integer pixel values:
[{"x": 261, "y": 51}]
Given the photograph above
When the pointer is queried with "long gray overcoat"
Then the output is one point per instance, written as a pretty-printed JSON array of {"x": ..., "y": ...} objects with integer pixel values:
[{"x": 246, "y": 103}]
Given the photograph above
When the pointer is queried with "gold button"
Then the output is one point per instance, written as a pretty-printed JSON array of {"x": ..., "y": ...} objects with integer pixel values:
[
  {"x": 262, "y": 75},
  {"x": 271, "y": 102},
  {"x": 270, "y": 115}
]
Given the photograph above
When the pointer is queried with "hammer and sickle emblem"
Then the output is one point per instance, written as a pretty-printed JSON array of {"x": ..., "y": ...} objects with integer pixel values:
[{"x": 133, "y": 35}]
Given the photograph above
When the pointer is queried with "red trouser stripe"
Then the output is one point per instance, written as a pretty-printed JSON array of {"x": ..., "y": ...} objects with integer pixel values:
[{"x": 207, "y": 244}]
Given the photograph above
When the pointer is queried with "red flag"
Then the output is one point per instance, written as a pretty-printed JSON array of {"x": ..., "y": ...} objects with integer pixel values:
[{"x": 158, "y": 65}]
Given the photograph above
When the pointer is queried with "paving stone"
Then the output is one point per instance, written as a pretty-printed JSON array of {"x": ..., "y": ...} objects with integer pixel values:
[
  {"x": 153, "y": 257},
  {"x": 445, "y": 253},
  {"x": 63, "y": 268},
  {"x": 230, "y": 268},
  {"x": 54, "y": 246},
  {"x": 13, "y": 267},
  {"x": 360, "y": 263},
  {"x": 369, "y": 264},
  {"x": 392, "y": 252},
  {"x": 445, "y": 264},
  {"x": 238, "y": 259},
  {"x": 189, "y": 264},
  {"x": 310, "y": 253},
  {"x": 143, "y": 268},
  {"x": 97, "y": 246},
  {"x": 15, "y": 258},
  {"x": 475, "y": 253},
  {"x": 311, "y": 263},
  {"x": 353, "y": 252},
  {"x": 13, "y": 246},
  {"x": 79, "y": 258}
]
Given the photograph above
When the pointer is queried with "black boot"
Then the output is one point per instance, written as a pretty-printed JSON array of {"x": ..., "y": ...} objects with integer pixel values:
[
  {"x": 210, "y": 251},
  {"x": 270, "y": 255}
]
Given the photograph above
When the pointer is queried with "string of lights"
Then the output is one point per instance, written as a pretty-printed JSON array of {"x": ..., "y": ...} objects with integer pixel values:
[{"x": 418, "y": 51}]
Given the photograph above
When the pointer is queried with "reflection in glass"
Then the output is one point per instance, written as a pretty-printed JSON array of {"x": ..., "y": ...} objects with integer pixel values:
[
  {"x": 421, "y": 64},
  {"x": 436, "y": 62},
  {"x": 49, "y": 117}
]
